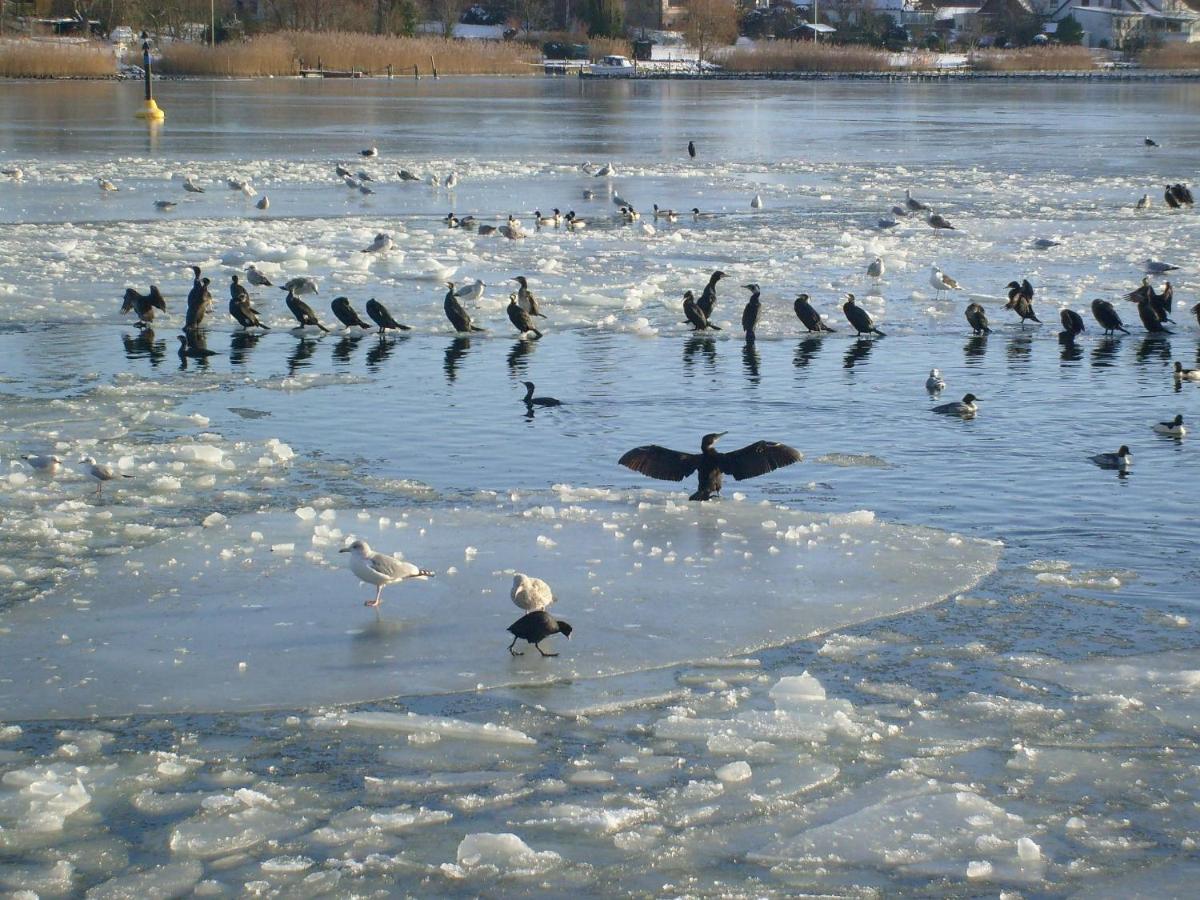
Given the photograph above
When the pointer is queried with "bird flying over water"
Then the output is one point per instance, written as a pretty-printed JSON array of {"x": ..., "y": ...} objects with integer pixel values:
[{"x": 710, "y": 464}]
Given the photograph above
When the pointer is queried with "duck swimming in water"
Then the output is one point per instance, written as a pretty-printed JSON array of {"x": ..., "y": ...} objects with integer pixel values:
[
  {"x": 1122, "y": 459},
  {"x": 1174, "y": 428},
  {"x": 1182, "y": 374},
  {"x": 966, "y": 407}
]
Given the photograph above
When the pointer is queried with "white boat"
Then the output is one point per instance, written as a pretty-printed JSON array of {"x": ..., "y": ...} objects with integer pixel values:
[{"x": 619, "y": 66}]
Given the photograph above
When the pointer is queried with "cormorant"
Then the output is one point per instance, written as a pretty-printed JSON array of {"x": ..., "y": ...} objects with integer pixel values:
[
  {"x": 380, "y": 570},
  {"x": 1174, "y": 428},
  {"x": 1122, "y": 459},
  {"x": 965, "y": 407},
  {"x": 199, "y": 301},
  {"x": 346, "y": 314},
  {"x": 521, "y": 320},
  {"x": 692, "y": 149},
  {"x": 1169, "y": 197},
  {"x": 241, "y": 308},
  {"x": 977, "y": 319},
  {"x": 455, "y": 313},
  {"x": 859, "y": 317},
  {"x": 381, "y": 317},
  {"x": 710, "y": 464},
  {"x": 302, "y": 311},
  {"x": 144, "y": 305},
  {"x": 750, "y": 313},
  {"x": 1160, "y": 303},
  {"x": 525, "y": 298},
  {"x": 1196, "y": 313},
  {"x": 1020, "y": 300},
  {"x": 1072, "y": 323},
  {"x": 809, "y": 317},
  {"x": 1148, "y": 313},
  {"x": 531, "y": 400},
  {"x": 708, "y": 297},
  {"x": 535, "y": 627},
  {"x": 530, "y": 594},
  {"x": 1106, "y": 314},
  {"x": 695, "y": 315}
]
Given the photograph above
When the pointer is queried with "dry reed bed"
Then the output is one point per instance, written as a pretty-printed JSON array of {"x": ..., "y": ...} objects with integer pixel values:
[
  {"x": 48, "y": 59},
  {"x": 1034, "y": 59},
  {"x": 805, "y": 56},
  {"x": 1172, "y": 56},
  {"x": 283, "y": 53}
]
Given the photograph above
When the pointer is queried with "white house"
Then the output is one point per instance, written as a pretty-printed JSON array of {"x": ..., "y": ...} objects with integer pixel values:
[{"x": 1114, "y": 22}]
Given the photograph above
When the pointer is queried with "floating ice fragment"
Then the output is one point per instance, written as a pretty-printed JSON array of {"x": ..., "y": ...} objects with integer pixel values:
[
  {"x": 1027, "y": 850},
  {"x": 503, "y": 851},
  {"x": 212, "y": 520},
  {"x": 734, "y": 772}
]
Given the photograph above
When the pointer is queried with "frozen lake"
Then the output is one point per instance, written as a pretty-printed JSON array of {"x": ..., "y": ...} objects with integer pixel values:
[{"x": 937, "y": 657}]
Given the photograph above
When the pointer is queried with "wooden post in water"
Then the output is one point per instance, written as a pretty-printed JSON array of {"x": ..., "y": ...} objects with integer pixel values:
[
  {"x": 389, "y": 71},
  {"x": 433, "y": 65},
  {"x": 416, "y": 72}
]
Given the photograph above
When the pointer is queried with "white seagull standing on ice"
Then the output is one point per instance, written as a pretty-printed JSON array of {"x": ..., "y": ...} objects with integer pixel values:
[
  {"x": 530, "y": 594},
  {"x": 94, "y": 471},
  {"x": 757, "y": 202},
  {"x": 941, "y": 281},
  {"x": 451, "y": 181},
  {"x": 876, "y": 268},
  {"x": 191, "y": 187},
  {"x": 47, "y": 465},
  {"x": 379, "y": 569},
  {"x": 471, "y": 291}
]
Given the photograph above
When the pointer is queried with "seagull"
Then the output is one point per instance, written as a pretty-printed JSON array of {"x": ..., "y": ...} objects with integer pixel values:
[
  {"x": 236, "y": 184},
  {"x": 364, "y": 175},
  {"x": 977, "y": 319},
  {"x": 105, "y": 185},
  {"x": 710, "y": 464},
  {"x": 364, "y": 190},
  {"x": 941, "y": 281},
  {"x": 936, "y": 221},
  {"x": 934, "y": 383},
  {"x": 369, "y": 153},
  {"x": 965, "y": 407},
  {"x": 1174, "y": 428},
  {"x": 530, "y": 594},
  {"x": 876, "y": 268},
  {"x": 532, "y": 401},
  {"x": 1143, "y": 203},
  {"x": 341, "y": 171},
  {"x": 534, "y": 628},
  {"x": 45, "y": 465},
  {"x": 257, "y": 278},
  {"x": 451, "y": 180},
  {"x": 1158, "y": 267},
  {"x": 471, "y": 291},
  {"x": 350, "y": 181},
  {"x": 618, "y": 200},
  {"x": 757, "y": 202},
  {"x": 165, "y": 205},
  {"x": 191, "y": 187},
  {"x": 13, "y": 172},
  {"x": 1182, "y": 374},
  {"x": 912, "y": 203},
  {"x": 606, "y": 171},
  {"x": 380, "y": 316},
  {"x": 263, "y": 203},
  {"x": 883, "y": 222},
  {"x": 300, "y": 285},
  {"x": 379, "y": 569},
  {"x": 94, "y": 471},
  {"x": 406, "y": 175},
  {"x": 382, "y": 243},
  {"x": 1122, "y": 459}
]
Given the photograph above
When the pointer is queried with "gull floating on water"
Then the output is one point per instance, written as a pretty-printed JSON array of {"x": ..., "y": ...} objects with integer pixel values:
[
  {"x": 13, "y": 172},
  {"x": 1157, "y": 266},
  {"x": 380, "y": 570},
  {"x": 237, "y": 184},
  {"x": 191, "y": 187},
  {"x": 606, "y": 171},
  {"x": 46, "y": 465},
  {"x": 1143, "y": 203},
  {"x": 263, "y": 203},
  {"x": 935, "y": 383},
  {"x": 98, "y": 473},
  {"x": 382, "y": 243},
  {"x": 757, "y": 202},
  {"x": 529, "y": 593}
]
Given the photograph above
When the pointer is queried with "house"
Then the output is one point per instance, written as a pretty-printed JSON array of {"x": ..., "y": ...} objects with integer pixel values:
[{"x": 1118, "y": 23}]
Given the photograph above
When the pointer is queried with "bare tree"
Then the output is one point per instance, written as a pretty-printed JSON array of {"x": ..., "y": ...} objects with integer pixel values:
[
  {"x": 710, "y": 23},
  {"x": 446, "y": 13}
]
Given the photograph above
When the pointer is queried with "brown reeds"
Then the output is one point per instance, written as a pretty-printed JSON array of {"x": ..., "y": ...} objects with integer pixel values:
[
  {"x": 1171, "y": 56},
  {"x": 806, "y": 56},
  {"x": 1052, "y": 58},
  {"x": 24, "y": 58}
]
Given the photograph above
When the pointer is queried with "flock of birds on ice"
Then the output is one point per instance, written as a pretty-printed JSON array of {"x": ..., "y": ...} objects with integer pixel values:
[{"x": 533, "y": 595}]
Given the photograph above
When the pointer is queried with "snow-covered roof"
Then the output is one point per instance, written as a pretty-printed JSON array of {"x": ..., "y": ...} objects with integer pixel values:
[
  {"x": 819, "y": 28},
  {"x": 468, "y": 32}
]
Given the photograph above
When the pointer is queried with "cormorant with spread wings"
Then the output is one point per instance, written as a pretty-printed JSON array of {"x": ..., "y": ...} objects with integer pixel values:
[{"x": 710, "y": 464}]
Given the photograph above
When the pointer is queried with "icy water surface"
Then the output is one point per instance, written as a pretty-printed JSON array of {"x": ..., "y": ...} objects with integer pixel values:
[{"x": 936, "y": 657}]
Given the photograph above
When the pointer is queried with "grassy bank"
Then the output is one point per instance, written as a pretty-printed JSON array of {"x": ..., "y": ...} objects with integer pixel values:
[
  {"x": 1171, "y": 56},
  {"x": 51, "y": 59},
  {"x": 282, "y": 54},
  {"x": 805, "y": 56},
  {"x": 1033, "y": 59}
]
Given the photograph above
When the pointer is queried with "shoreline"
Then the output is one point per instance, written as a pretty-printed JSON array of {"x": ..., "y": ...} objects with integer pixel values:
[{"x": 949, "y": 75}]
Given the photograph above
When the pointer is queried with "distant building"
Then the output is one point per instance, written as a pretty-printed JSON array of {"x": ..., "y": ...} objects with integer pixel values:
[{"x": 1115, "y": 23}]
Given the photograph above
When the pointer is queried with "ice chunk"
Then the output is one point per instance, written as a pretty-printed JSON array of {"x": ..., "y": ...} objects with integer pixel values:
[
  {"x": 506, "y": 852},
  {"x": 797, "y": 687},
  {"x": 411, "y": 723},
  {"x": 170, "y": 880},
  {"x": 734, "y": 772}
]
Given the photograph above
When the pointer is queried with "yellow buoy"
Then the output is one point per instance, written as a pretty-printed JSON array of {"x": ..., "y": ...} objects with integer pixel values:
[{"x": 150, "y": 111}]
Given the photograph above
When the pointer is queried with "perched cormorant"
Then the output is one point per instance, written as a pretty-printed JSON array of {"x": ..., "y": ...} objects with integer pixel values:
[
  {"x": 809, "y": 317},
  {"x": 1072, "y": 323},
  {"x": 381, "y": 317},
  {"x": 531, "y": 400},
  {"x": 935, "y": 383},
  {"x": 144, "y": 305},
  {"x": 710, "y": 464},
  {"x": 1196, "y": 313},
  {"x": 302, "y": 311},
  {"x": 1020, "y": 300},
  {"x": 1160, "y": 303},
  {"x": 1122, "y": 459},
  {"x": 1169, "y": 197},
  {"x": 525, "y": 298},
  {"x": 455, "y": 313},
  {"x": 695, "y": 315},
  {"x": 380, "y": 570},
  {"x": 1149, "y": 315},
  {"x": 859, "y": 318},
  {"x": 1174, "y": 428},
  {"x": 977, "y": 319},
  {"x": 708, "y": 297},
  {"x": 965, "y": 407},
  {"x": 521, "y": 320},
  {"x": 199, "y": 301},
  {"x": 1106, "y": 314},
  {"x": 535, "y": 627},
  {"x": 346, "y": 314},
  {"x": 241, "y": 308},
  {"x": 692, "y": 149},
  {"x": 530, "y": 594},
  {"x": 750, "y": 313}
]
